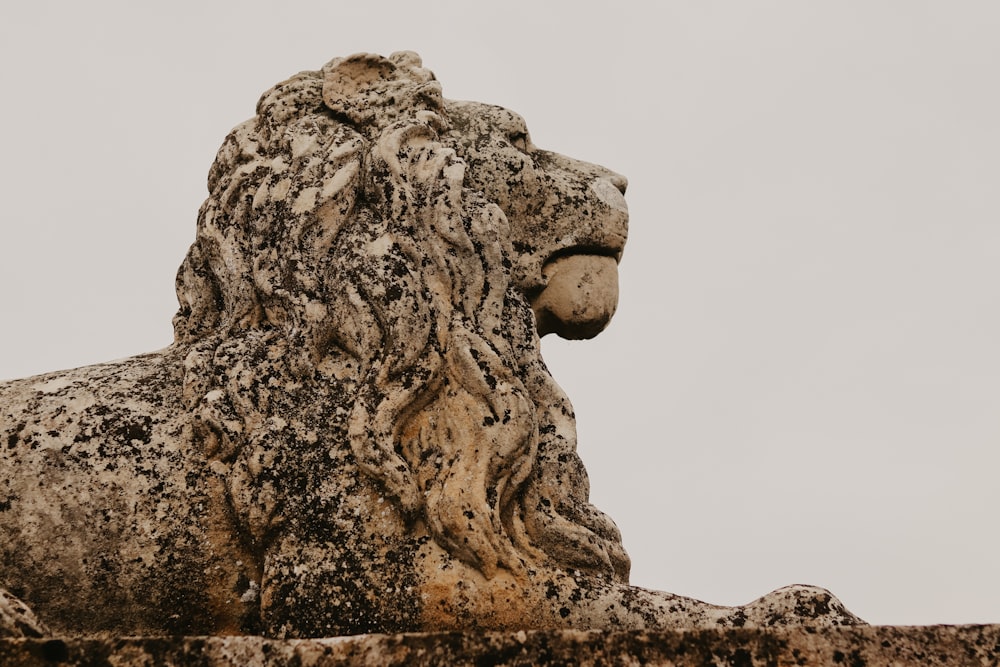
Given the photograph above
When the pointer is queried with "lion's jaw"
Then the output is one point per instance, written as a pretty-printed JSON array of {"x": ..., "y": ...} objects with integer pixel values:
[{"x": 579, "y": 297}]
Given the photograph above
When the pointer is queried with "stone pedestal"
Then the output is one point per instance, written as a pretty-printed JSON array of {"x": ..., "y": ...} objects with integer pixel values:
[{"x": 850, "y": 647}]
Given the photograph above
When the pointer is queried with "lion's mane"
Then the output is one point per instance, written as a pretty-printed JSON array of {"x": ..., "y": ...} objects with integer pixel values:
[{"x": 343, "y": 274}]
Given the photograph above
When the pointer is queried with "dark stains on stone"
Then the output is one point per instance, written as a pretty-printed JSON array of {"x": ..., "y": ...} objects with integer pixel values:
[
  {"x": 136, "y": 430},
  {"x": 929, "y": 646}
]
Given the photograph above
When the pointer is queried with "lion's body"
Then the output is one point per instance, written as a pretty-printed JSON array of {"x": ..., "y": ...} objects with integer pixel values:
[
  {"x": 354, "y": 430},
  {"x": 109, "y": 518},
  {"x": 111, "y": 522}
]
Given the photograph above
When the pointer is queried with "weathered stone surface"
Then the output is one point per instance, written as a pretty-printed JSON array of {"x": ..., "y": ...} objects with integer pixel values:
[
  {"x": 850, "y": 647},
  {"x": 353, "y": 430}
]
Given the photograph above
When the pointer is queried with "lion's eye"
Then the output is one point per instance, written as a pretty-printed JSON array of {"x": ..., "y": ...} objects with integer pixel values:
[{"x": 519, "y": 140}]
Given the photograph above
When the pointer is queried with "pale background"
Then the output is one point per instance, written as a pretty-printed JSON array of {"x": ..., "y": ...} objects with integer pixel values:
[{"x": 803, "y": 380}]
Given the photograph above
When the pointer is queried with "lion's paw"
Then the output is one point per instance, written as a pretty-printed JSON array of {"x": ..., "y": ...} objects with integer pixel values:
[
  {"x": 17, "y": 620},
  {"x": 795, "y": 606}
]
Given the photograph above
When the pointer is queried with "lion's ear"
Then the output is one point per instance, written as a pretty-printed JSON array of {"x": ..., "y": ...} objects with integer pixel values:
[{"x": 365, "y": 85}]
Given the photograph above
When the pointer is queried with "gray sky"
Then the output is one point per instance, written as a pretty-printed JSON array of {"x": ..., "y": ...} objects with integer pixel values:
[{"x": 802, "y": 384}]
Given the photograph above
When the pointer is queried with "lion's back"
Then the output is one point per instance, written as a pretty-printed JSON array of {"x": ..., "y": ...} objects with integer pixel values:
[{"x": 105, "y": 511}]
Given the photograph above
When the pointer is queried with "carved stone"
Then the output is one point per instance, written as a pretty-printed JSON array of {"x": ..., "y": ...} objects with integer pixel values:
[
  {"x": 353, "y": 430},
  {"x": 731, "y": 647}
]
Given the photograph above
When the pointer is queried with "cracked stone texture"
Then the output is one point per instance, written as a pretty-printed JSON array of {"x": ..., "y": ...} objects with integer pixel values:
[{"x": 354, "y": 430}]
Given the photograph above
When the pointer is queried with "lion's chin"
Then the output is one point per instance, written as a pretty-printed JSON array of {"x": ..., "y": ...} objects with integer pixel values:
[{"x": 579, "y": 298}]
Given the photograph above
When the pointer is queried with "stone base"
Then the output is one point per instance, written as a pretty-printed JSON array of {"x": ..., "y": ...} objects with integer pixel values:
[{"x": 851, "y": 647}]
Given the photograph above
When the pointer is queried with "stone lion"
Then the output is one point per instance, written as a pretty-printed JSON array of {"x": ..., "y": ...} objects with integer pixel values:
[{"x": 353, "y": 430}]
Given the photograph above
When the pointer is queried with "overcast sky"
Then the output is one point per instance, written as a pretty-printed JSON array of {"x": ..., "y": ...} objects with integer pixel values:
[{"x": 802, "y": 384}]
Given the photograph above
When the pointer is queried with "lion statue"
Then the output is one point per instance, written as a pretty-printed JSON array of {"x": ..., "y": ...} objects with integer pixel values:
[{"x": 353, "y": 430}]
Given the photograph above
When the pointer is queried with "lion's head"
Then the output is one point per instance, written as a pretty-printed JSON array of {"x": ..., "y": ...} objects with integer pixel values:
[{"x": 373, "y": 267}]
